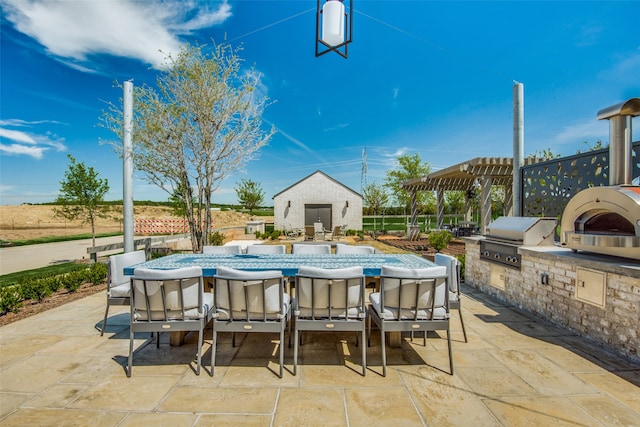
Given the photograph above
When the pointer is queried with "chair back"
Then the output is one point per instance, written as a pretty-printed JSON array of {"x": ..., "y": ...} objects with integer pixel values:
[
  {"x": 318, "y": 227},
  {"x": 249, "y": 295},
  {"x": 309, "y": 232},
  {"x": 117, "y": 264},
  {"x": 266, "y": 249},
  {"x": 311, "y": 249},
  {"x": 352, "y": 249},
  {"x": 453, "y": 270},
  {"x": 227, "y": 249},
  {"x": 165, "y": 295},
  {"x": 330, "y": 293},
  {"x": 413, "y": 294}
]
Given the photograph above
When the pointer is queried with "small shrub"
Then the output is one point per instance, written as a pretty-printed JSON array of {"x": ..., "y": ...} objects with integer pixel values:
[
  {"x": 35, "y": 289},
  {"x": 439, "y": 239},
  {"x": 258, "y": 234},
  {"x": 97, "y": 273},
  {"x": 10, "y": 299},
  {"x": 73, "y": 280},
  {"x": 216, "y": 238}
]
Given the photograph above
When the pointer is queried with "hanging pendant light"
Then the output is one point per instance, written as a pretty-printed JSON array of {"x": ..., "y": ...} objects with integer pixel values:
[{"x": 334, "y": 33}]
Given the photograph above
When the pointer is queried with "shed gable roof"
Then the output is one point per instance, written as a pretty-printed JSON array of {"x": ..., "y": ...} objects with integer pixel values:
[{"x": 316, "y": 173}]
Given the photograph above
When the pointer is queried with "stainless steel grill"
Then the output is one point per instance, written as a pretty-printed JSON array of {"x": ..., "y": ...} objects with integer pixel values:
[{"x": 506, "y": 234}]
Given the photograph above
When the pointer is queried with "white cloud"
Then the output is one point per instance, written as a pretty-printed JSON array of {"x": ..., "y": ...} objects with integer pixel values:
[
  {"x": 27, "y": 143},
  {"x": 16, "y": 135},
  {"x": 144, "y": 30},
  {"x": 17, "y": 149},
  {"x": 589, "y": 130}
]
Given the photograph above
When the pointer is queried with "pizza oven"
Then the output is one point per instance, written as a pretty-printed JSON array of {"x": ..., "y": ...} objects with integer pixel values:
[{"x": 606, "y": 219}]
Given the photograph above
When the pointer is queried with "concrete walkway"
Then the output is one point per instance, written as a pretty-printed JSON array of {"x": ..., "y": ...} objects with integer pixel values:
[{"x": 56, "y": 369}]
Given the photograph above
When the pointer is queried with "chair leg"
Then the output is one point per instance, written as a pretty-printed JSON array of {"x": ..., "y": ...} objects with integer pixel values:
[
  {"x": 233, "y": 339},
  {"x": 369, "y": 330},
  {"x": 450, "y": 354},
  {"x": 384, "y": 352},
  {"x": 281, "y": 351},
  {"x": 464, "y": 331},
  {"x": 104, "y": 321},
  {"x": 296, "y": 344},
  {"x": 364, "y": 353},
  {"x": 213, "y": 349},
  {"x": 130, "y": 361},
  {"x": 199, "y": 357},
  {"x": 157, "y": 339}
]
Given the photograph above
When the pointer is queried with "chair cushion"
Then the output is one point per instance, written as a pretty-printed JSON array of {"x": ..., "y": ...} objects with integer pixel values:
[
  {"x": 120, "y": 291},
  {"x": 345, "y": 302},
  {"x": 389, "y": 313},
  {"x": 452, "y": 266},
  {"x": 192, "y": 296},
  {"x": 236, "y": 282},
  {"x": 311, "y": 249},
  {"x": 117, "y": 264},
  {"x": 410, "y": 279},
  {"x": 330, "y": 273},
  {"x": 390, "y": 271},
  {"x": 350, "y": 249},
  {"x": 232, "y": 273},
  {"x": 224, "y": 313}
]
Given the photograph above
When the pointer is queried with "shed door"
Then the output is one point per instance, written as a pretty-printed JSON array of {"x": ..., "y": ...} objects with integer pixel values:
[{"x": 313, "y": 213}]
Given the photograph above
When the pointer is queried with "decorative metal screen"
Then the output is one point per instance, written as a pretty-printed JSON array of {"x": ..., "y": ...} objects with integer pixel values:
[{"x": 548, "y": 186}]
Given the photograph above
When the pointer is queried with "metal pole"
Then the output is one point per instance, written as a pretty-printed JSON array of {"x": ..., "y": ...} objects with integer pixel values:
[
  {"x": 127, "y": 168},
  {"x": 518, "y": 146}
]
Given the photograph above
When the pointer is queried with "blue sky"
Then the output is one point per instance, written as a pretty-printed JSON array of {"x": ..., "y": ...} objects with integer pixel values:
[{"x": 427, "y": 77}]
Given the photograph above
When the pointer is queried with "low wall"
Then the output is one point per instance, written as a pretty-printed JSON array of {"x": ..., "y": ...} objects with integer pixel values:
[{"x": 594, "y": 296}]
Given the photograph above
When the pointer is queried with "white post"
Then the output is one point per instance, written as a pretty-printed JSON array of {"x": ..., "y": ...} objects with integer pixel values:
[
  {"x": 518, "y": 146},
  {"x": 127, "y": 167}
]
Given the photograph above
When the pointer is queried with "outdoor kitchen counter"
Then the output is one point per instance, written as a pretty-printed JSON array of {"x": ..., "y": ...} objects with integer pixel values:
[{"x": 607, "y": 263}]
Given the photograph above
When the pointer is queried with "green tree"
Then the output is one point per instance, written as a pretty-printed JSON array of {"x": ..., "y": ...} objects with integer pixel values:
[
  {"x": 250, "y": 194},
  {"x": 82, "y": 195},
  {"x": 408, "y": 167},
  {"x": 376, "y": 198},
  {"x": 202, "y": 123},
  {"x": 455, "y": 201}
]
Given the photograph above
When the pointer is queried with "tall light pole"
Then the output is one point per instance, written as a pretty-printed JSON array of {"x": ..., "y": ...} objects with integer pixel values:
[{"x": 127, "y": 167}]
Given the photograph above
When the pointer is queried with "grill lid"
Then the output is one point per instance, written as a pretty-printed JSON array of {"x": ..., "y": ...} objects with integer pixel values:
[{"x": 528, "y": 231}]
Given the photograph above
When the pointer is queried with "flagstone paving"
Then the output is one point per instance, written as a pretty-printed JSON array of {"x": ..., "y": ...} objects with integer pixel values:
[{"x": 516, "y": 370}]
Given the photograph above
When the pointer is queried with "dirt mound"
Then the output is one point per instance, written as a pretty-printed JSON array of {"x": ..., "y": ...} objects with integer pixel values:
[{"x": 33, "y": 221}]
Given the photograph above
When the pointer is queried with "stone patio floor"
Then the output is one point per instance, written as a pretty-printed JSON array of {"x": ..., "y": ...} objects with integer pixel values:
[{"x": 57, "y": 370}]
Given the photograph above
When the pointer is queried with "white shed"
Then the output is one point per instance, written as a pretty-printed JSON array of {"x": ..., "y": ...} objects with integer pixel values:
[{"x": 317, "y": 198}]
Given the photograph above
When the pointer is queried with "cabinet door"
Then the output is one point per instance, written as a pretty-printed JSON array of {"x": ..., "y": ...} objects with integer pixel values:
[{"x": 591, "y": 286}]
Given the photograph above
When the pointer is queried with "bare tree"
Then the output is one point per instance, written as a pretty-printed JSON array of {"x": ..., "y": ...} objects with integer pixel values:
[{"x": 202, "y": 123}]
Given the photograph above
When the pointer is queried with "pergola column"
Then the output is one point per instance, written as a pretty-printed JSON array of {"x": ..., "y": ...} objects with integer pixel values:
[
  {"x": 485, "y": 202},
  {"x": 468, "y": 207},
  {"x": 439, "y": 207},
  {"x": 414, "y": 228},
  {"x": 508, "y": 200}
]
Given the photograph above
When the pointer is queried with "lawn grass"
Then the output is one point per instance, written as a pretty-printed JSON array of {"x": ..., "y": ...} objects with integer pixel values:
[
  {"x": 21, "y": 276},
  {"x": 53, "y": 239}
]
